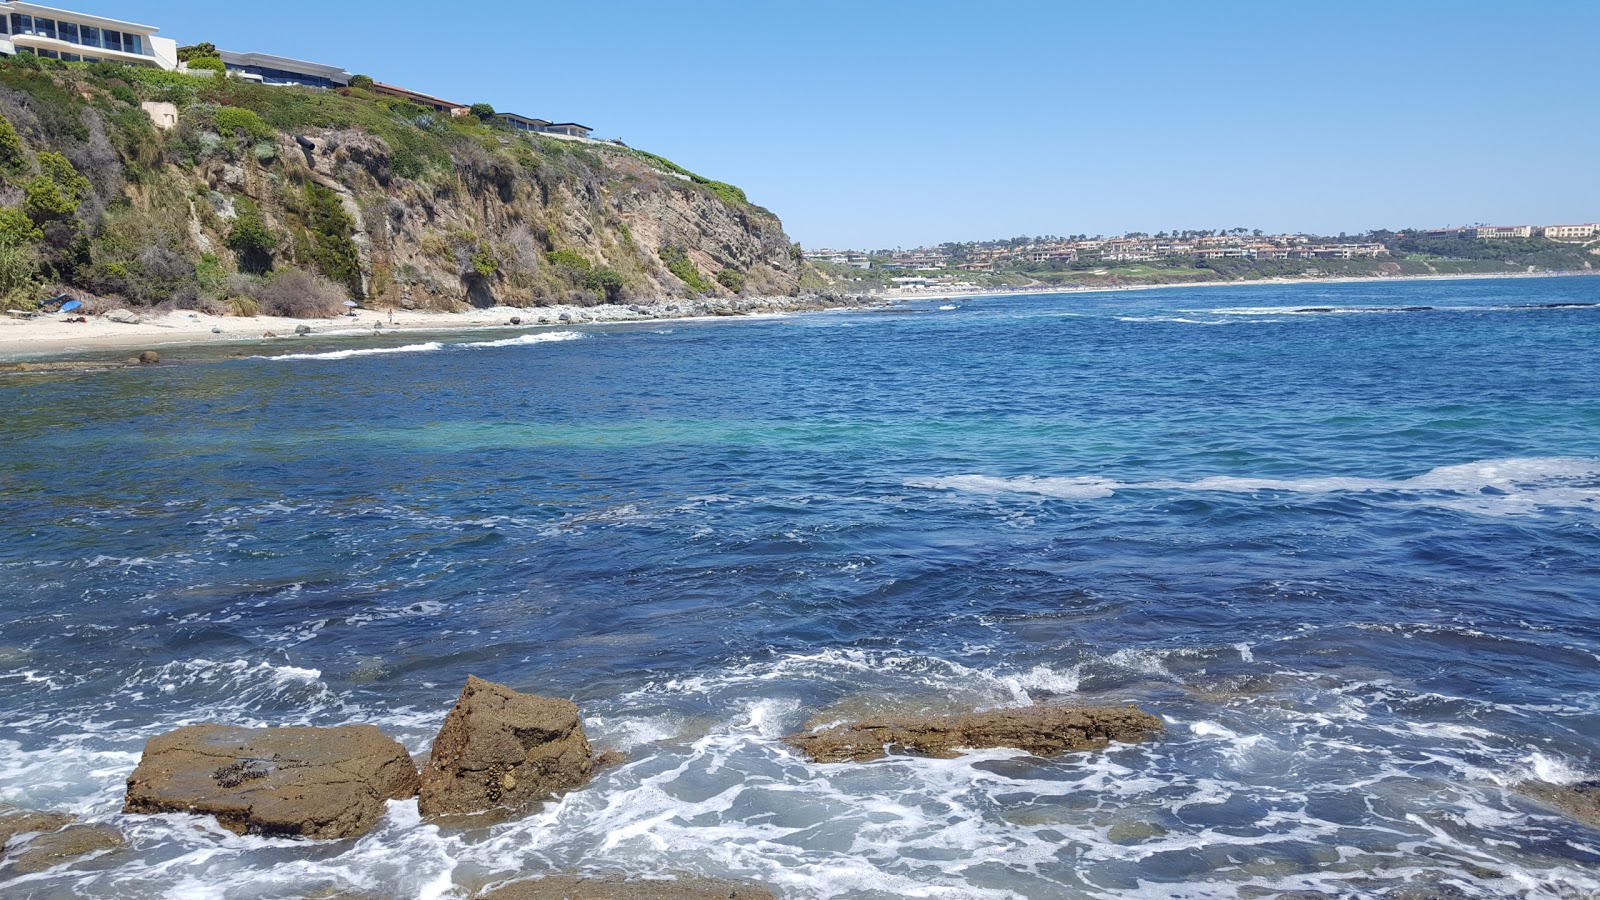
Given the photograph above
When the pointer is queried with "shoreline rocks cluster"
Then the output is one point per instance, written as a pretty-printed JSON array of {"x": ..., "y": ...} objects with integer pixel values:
[{"x": 1040, "y": 730}]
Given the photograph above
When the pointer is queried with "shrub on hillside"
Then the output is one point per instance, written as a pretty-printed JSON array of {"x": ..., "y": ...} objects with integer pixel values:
[
  {"x": 297, "y": 294},
  {"x": 678, "y": 263},
  {"x": 208, "y": 64},
  {"x": 607, "y": 282},
  {"x": 231, "y": 119},
  {"x": 251, "y": 240},
  {"x": 731, "y": 279},
  {"x": 13, "y": 156}
]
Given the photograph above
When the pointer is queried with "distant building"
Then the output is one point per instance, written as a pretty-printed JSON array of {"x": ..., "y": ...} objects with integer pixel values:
[
  {"x": 1569, "y": 232},
  {"x": 1496, "y": 232},
  {"x": 265, "y": 68},
  {"x": 570, "y": 129},
  {"x": 80, "y": 37},
  {"x": 523, "y": 123},
  {"x": 433, "y": 103}
]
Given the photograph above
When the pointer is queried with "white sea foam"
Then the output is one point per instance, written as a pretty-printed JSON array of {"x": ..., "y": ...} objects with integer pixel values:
[
  {"x": 1489, "y": 487},
  {"x": 428, "y": 347},
  {"x": 521, "y": 340},
  {"x": 728, "y": 798},
  {"x": 434, "y": 346}
]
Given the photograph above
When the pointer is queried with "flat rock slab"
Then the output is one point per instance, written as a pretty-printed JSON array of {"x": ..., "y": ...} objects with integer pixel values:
[
  {"x": 47, "y": 851},
  {"x": 567, "y": 887},
  {"x": 14, "y": 821},
  {"x": 1040, "y": 730},
  {"x": 502, "y": 749},
  {"x": 290, "y": 782},
  {"x": 1581, "y": 801}
]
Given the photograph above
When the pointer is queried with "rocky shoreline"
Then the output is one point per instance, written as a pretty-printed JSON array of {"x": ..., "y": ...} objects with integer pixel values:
[
  {"x": 52, "y": 344},
  {"x": 499, "y": 755}
]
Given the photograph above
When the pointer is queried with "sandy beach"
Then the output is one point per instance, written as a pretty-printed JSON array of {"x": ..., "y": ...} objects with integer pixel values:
[
  {"x": 52, "y": 337},
  {"x": 48, "y": 337}
]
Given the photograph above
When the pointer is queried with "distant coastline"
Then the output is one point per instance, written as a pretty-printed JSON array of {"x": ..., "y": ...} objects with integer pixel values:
[
  {"x": 47, "y": 338},
  {"x": 52, "y": 341},
  {"x": 1024, "y": 290}
]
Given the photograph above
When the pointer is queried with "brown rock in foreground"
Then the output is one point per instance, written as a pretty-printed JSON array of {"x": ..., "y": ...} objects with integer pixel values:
[
  {"x": 50, "y": 850},
  {"x": 291, "y": 782},
  {"x": 15, "y": 821},
  {"x": 501, "y": 748},
  {"x": 1581, "y": 801},
  {"x": 1041, "y": 730},
  {"x": 567, "y": 887}
]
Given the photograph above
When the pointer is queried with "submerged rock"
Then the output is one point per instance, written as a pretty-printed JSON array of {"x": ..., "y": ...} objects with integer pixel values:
[
  {"x": 501, "y": 748},
  {"x": 14, "y": 821},
  {"x": 1581, "y": 801},
  {"x": 1041, "y": 730},
  {"x": 50, "y": 850},
  {"x": 293, "y": 782},
  {"x": 567, "y": 887}
]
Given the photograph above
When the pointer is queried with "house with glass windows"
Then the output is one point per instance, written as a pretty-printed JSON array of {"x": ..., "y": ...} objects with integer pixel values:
[
  {"x": 523, "y": 123},
  {"x": 264, "y": 68},
  {"x": 569, "y": 129},
  {"x": 74, "y": 36},
  {"x": 447, "y": 107}
]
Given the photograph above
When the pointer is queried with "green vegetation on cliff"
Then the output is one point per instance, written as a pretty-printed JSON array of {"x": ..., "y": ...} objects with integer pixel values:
[{"x": 262, "y": 190}]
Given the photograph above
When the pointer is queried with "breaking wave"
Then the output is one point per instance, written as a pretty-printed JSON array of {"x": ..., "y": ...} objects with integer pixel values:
[
  {"x": 433, "y": 346},
  {"x": 1490, "y": 486}
]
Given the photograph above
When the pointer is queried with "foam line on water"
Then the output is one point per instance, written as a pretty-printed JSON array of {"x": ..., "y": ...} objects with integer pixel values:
[
  {"x": 1489, "y": 486},
  {"x": 433, "y": 347}
]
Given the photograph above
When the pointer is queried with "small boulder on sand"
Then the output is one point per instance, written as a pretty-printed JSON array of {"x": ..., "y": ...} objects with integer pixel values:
[
  {"x": 1041, "y": 730},
  {"x": 288, "y": 782},
  {"x": 500, "y": 748}
]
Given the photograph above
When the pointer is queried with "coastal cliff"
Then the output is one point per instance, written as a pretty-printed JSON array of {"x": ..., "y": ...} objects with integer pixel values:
[{"x": 163, "y": 189}]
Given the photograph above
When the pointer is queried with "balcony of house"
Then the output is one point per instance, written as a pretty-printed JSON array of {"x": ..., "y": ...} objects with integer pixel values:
[
  {"x": 76, "y": 37},
  {"x": 264, "y": 68}
]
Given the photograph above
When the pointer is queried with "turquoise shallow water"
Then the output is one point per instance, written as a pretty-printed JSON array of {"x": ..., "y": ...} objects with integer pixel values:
[{"x": 1342, "y": 538}]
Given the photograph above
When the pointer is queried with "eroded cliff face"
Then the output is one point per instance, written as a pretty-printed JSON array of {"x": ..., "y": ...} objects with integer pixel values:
[{"x": 584, "y": 223}]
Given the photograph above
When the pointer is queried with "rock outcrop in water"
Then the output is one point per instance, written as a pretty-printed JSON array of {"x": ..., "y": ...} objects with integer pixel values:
[
  {"x": 500, "y": 748},
  {"x": 567, "y": 887},
  {"x": 292, "y": 782},
  {"x": 1581, "y": 801},
  {"x": 1041, "y": 730},
  {"x": 56, "y": 839},
  {"x": 14, "y": 822}
]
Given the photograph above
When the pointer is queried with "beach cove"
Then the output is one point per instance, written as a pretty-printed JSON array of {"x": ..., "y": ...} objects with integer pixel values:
[{"x": 1340, "y": 538}]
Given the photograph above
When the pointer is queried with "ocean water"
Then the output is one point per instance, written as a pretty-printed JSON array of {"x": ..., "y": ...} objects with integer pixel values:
[{"x": 1344, "y": 539}]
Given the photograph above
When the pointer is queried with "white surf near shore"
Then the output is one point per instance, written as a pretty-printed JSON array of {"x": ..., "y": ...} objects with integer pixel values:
[{"x": 1489, "y": 486}]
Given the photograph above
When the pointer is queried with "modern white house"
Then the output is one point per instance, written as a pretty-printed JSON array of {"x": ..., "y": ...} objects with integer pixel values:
[
  {"x": 523, "y": 123},
  {"x": 265, "y": 68},
  {"x": 74, "y": 36},
  {"x": 569, "y": 129}
]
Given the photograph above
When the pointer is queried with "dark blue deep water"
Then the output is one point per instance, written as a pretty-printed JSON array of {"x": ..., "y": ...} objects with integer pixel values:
[{"x": 1350, "y": 555}]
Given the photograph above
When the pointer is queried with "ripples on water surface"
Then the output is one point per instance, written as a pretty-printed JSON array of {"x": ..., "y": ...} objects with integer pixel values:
[{"x": 1350, "y": 556}]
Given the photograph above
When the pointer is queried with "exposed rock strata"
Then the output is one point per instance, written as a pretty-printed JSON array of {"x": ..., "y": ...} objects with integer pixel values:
[
  {"x": 1041, "y": 730},
  {"x": 500, "y": 748},
  {"x": 567, "y": 887},
  {"x": 294, "y": 782}
]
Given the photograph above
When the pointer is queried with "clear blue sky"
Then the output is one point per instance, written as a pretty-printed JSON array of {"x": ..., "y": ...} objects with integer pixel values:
[{"x": 895, "y": 124}]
